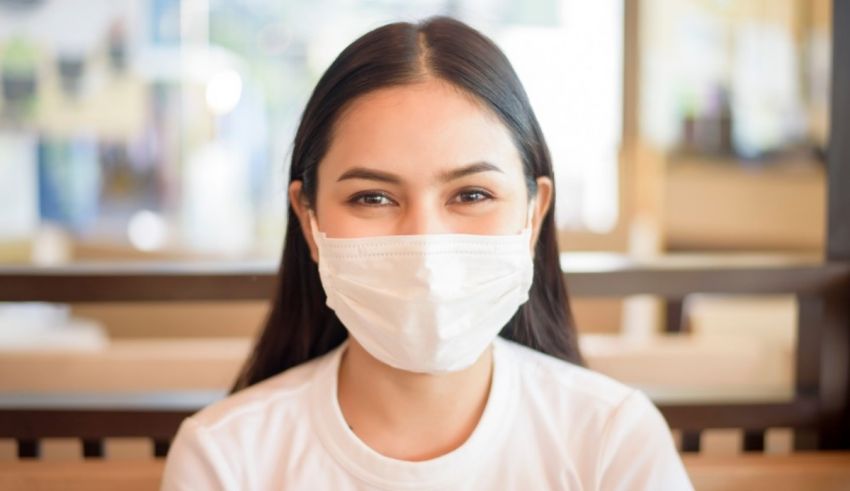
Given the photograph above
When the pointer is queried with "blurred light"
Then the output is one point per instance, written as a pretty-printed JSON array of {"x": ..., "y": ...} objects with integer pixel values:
[
  {"x": 51, "y": 245},
  {"x": 147, "y": 231},
  {"x": 223, "y": 91}
]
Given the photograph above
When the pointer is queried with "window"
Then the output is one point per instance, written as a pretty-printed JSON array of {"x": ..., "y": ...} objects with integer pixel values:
[{"x": 162, "y": 128}]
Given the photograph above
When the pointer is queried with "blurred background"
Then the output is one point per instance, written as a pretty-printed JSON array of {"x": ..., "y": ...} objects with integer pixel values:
[
  {"x": 149, "y": 129},
  {"x": 159, "y": 130}
]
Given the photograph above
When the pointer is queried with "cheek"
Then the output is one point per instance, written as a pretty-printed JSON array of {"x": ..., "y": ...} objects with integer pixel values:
[
  {"x": 507, "y": 219},
  {"x": 487, "y": 225}
]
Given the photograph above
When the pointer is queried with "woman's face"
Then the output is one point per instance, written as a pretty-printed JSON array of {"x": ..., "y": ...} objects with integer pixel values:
[{"x": 420, "y": 159}]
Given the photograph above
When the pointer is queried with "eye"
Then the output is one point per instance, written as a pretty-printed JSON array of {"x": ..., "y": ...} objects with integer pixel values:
[
  {"x": 371, "y": 199},
  {"x": 473, "y": 196}
]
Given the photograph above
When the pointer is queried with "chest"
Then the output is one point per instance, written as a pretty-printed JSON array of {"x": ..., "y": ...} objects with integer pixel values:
[{"x": 531, "y": 457}]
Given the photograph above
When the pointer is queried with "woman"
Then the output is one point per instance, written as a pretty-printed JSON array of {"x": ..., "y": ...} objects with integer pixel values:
[{"x": 421, "y": 223}]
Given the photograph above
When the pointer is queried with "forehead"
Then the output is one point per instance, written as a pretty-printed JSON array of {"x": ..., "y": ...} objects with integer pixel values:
[{"x": 419, "y": 128}]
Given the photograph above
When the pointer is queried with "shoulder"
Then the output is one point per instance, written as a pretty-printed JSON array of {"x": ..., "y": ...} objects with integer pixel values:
[
  {"x": 612, "y": 429},
  {"x": 212, "y": 446},
  {"x": 539, "y": 371},
  {"x": 568, "y": 398},
  {"x": 277, "y": 405},
  {"x": 287, "y": 388}
]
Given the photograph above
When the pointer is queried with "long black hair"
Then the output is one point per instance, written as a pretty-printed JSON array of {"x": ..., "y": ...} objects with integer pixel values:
[{"x": 299, "y": 326}]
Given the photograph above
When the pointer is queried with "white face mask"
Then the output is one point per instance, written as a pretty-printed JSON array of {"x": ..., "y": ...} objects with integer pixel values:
[{"x": 426, "y": 303}]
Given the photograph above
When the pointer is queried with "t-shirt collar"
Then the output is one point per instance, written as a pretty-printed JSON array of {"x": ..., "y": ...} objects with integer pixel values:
[{"x": 439, "y": 473}]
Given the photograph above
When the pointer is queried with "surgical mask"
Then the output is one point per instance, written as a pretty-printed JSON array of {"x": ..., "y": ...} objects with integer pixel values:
[{"x": 426, "y": 303}]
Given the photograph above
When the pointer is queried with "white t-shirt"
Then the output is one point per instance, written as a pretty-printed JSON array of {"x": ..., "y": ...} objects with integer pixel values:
[{"x": 547, "y": 424}]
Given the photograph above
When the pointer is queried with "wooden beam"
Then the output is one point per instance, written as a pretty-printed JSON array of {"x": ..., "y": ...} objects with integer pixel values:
[
  {"x": 835, "y": 342},
  {"x": 34, "y": 424},
  {"x": 158, "y": 415},
  {"x": 838, "y": 233},
  {"x": 588, "y": 275},
  {"x": 799, "y": 413}
]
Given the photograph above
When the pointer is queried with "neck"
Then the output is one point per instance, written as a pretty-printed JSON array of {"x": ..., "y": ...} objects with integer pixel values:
[{"x": 407, "y": 415}]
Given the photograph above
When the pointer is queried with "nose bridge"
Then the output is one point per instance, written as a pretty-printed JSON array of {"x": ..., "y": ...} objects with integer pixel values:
[{"x": 423, "y": 216}]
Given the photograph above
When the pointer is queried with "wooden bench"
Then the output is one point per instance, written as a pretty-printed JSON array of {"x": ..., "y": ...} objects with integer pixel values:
[
  {"x": 732, "y": 363},
  {"x": 821, "y": 289},
  {"x": 815, "y": 408},
  {"x": 803, "y": 471},
  {"x": 105, "y": 475},
  {"x": 814, "y": 471}
]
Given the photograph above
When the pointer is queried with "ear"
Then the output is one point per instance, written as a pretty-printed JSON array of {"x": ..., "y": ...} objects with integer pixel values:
[
  {"x": 542, "y": 202},
  {"x": 302, "y": 211}
]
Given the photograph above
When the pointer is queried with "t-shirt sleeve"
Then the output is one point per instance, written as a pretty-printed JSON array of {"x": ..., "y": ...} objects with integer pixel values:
[
  {"x": 194, "y": 462},
  {"x": 637, "y": 450}
]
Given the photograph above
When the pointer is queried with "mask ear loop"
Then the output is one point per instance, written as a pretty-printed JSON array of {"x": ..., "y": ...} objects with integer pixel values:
[
  {"x": 528, "y": 231},
  {"x": 530, "y": 215},
  {"x": 314, "y": 226}
]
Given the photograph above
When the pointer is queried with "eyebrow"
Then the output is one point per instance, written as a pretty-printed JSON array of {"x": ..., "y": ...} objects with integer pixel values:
[
  {"x": 381, "y": 176},
  {"x": 468, "y": 170}
]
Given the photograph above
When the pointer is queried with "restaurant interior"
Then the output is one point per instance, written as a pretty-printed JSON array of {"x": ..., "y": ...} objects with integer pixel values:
[{"x": 702, "y": 162}]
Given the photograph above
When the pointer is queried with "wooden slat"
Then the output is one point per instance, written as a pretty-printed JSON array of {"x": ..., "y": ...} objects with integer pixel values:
[
  {"x": 806, "y": 471},
  {"x": 125, "y": 365},
  {"x": 33, "y": 424},
  {"x": 835, "y": 338},
  {"x": 674, "y": 278},
  {"x": 808, "y": 371},
  {"x": 802, "y": 412},
  {"x": 838, "y": 181},
  {"x": 162, "y": 400},
  {"x": 96, "y": 416},
  {"x": 720, "y": 366},
  {"x": 834, "y": 365},
  {"x": 797, "y": 472},
  {"x": 110, "y": 282},
  {"x": 588, "y": 274},
  {"x": 82, "y": 476}
]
